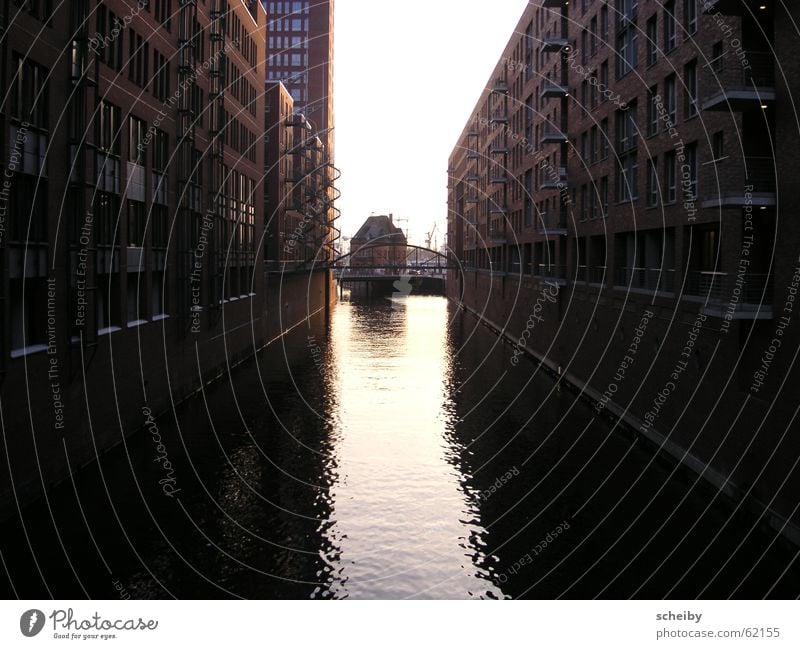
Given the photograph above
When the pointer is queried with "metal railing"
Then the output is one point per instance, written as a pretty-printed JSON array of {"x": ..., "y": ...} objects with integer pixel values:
[
  {"x": 550, "y": 271},
  {"x": 749, "y": 288},
  {"x": 648, "y": 279},
  {"x": 591, "y": 274},
  {"x": 749, "y": 69}
]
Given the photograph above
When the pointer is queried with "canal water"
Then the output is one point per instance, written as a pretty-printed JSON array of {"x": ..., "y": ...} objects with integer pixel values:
[{"x": 391, "y": 452}]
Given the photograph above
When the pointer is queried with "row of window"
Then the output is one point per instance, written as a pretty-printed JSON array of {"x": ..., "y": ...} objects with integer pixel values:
[
  {"x": 241, "y": 89},
  {"x": 283, "y": 8},
  {"x": 238, "y": 33}
]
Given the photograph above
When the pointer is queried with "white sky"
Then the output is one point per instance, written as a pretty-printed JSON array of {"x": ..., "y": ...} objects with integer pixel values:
[{"x": 407, "y": 74}]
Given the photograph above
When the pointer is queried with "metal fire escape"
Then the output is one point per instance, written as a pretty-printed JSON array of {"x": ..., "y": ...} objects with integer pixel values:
[
  {"x": 217, "y": 195},
  {"x": 187, "y": 72}
]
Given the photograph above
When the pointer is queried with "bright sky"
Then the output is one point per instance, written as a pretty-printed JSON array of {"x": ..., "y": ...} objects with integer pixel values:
[{"x": 407, "y": 75}]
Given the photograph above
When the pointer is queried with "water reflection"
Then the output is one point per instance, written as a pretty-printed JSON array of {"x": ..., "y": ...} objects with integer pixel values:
[
  {"x": 392, "y": 452},
  {"x": 398, "y": 461}
]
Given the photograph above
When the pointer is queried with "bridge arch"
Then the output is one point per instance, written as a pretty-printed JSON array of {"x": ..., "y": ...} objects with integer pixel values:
[{"x": 451, "y": 261}]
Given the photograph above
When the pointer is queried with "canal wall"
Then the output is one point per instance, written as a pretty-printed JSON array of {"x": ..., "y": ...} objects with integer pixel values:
[
  {"x": 79, "y": 402},
  {"x": 664, "y": 371}
]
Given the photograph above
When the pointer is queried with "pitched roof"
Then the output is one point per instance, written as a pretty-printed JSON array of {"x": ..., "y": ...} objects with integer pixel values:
[{"x": 380, "y": 227}]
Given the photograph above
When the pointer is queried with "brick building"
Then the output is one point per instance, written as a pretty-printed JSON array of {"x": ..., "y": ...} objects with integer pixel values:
[
  {"x": 131, "y": 220},
  {"x": 366, "y": 246},
  {"x": 300, "y": 55},
  {"x": 630, "y": 155}
]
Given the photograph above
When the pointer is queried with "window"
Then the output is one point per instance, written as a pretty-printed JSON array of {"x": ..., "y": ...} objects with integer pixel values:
[
  {"x": 670, "y": 99},
  {"x": 584, "y": 203},
  {"x": 690, "y": 83},
  {"x": 164, "y": 13},
  {"x": 690, "y": 17},
  {"x": 106, "y": 211},
  {"x": 41, "y": 9},
  {"x": 107, "y": 125},
  {"x": 718, "y": 144},
  {"x": 135, "y": 294},
  {"x": 717, "y": 57},
  {"x": 652, "y": 182},
  {"x": 161, "y": 76},
  {"x": 198, "y": 107},
  {"x": 626, "y": 10},
  {"x": 594, "y": 202},
  {"x": 669, "y": 177},
  {"x": 107, "y": 301},
  {"x": 669, "y": 26},
  {"x": 584, "y": 96},
  {"x": 29, "y": 99},
  {"x": 594, "y": 39},
  {"x": 627, "y": 139},
  {"x": 689, "y": 172},
  {"x": 584, "y": 147},
  {"x": 604, "y": 77},
  {"x": 604, "y": 139},
  {"x": 593, "y": 142},
  {"x": 528, "y": 187},
  {"x": 28, "y": 209},
  {"x": 604, "y": 195},
  {"x": 158, "y": 296},
  {"x": 160, "y": 149},
  {"x": 138, "y": 58},
  {"x": 627, "y": 187},
  {"x": 136, "y": 220},
  {"x": 604, "y": 22},
  {"x": 652, "y": 111},
  {"x": 137, "y": 130},
  {"x": 626, "y": 128},
  {"x": 626, "y": 50},
  {"x": 159, "y": 227},
  {"x": 652, "y": 40}
]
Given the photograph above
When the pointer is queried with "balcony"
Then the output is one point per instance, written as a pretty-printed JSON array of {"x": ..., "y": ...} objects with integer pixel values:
[
  {"x": 726, "y": 293},
  {"x": 736, "y": 7},
  {"x": 471, "y": 178},
  {"x": 648, "y": 280},
  {"x": 497, "y": 235},
  {"x": 554, "y": 4},
  {"x": 498, "y": 209},
  {"x": 298, "y": 120},
  {"x": 741, "y": 87},
  {"x": 558, "y": 274},
  {"x": 500, "y": 85},
  {"x": 551, "y": 89},
  {"x": 591, "y": 274},
  {"x": 473, "y": 155},
  {"x": 499, "y": 117},
  {"x": 470, "y": 198},
  {"x": 554, "y": 178},
  {"x": 728, "y": 182},
  {"x": 551, "y": 225},
  {"x": 135, "y": 259},
  {"x": 498, "y": 149},
  {"x": 554, "y": 136},
  {"x": 496, "y": 179},
  {"x": 554, "y": 44}
]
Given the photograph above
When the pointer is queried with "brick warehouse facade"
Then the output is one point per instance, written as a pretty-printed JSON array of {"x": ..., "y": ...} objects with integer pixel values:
[
  {"x": 616, "y": 198},
  {"x": 132, "y": 220},
  {"x": 300, "y": 56}
]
